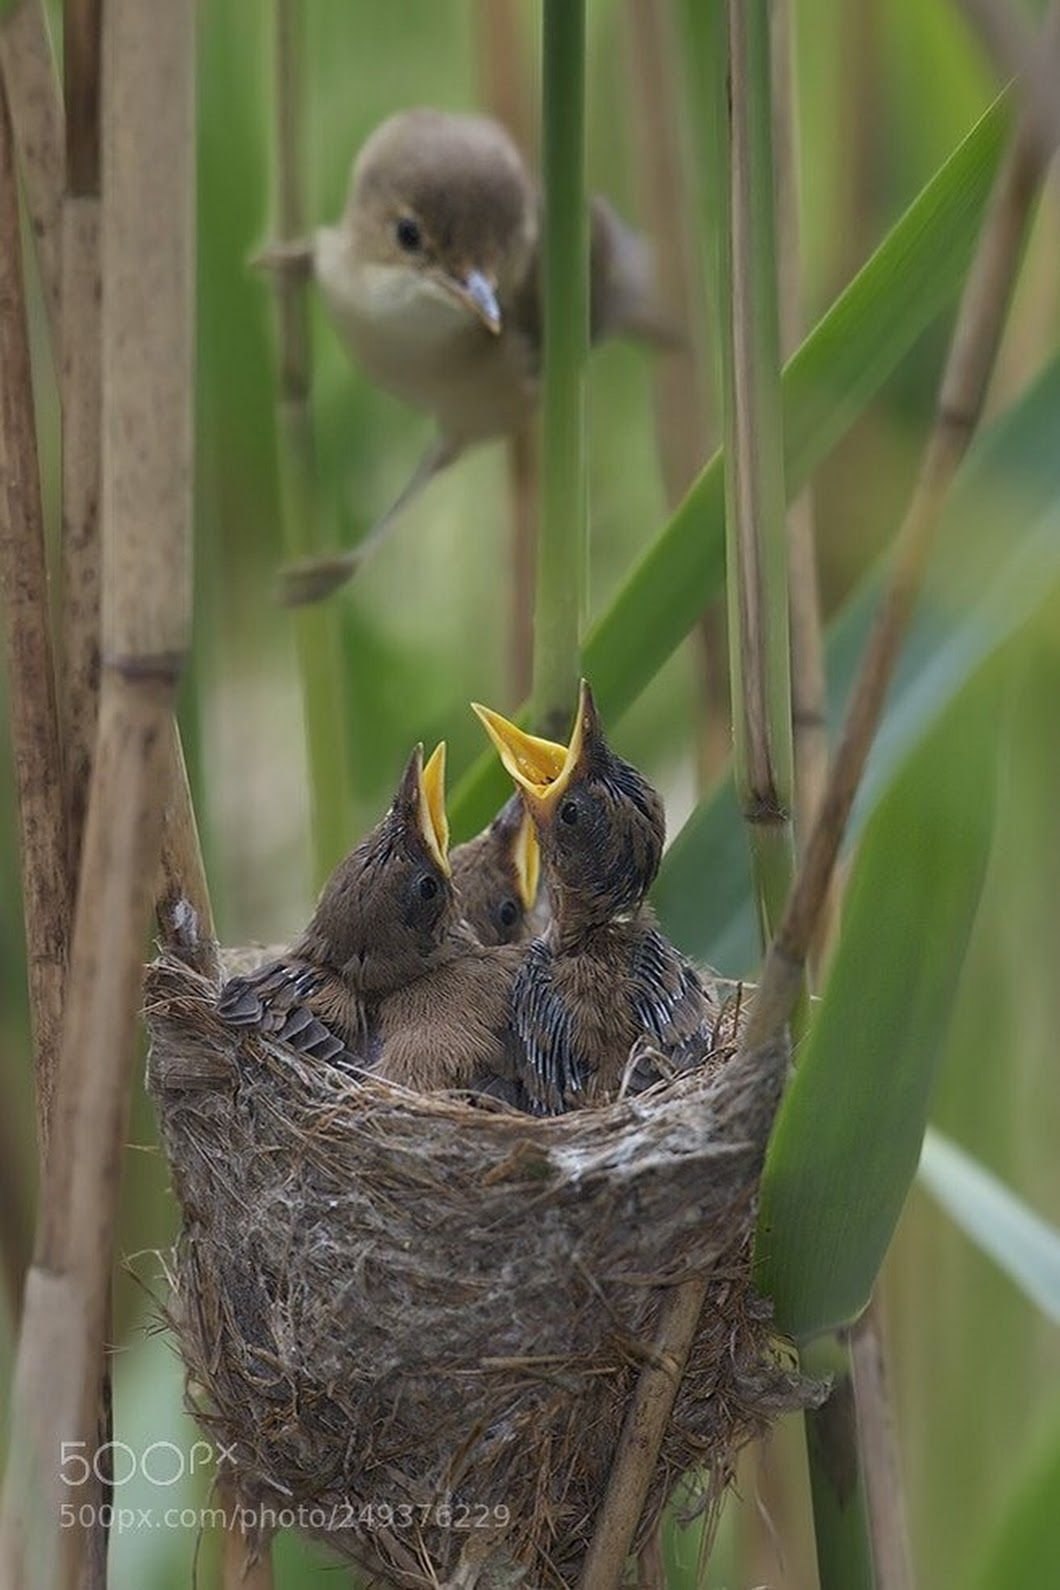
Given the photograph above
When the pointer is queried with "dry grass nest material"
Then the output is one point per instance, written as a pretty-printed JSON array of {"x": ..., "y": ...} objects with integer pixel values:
[{"x": 417, "y": 1323}]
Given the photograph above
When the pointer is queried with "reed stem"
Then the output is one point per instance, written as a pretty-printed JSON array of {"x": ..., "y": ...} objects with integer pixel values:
[
  {"x": 148, "y": 273},
  {"x": 562, "y": 559},
  {"x": 30, "y": 669},
  {"x": 80, "y": 391},
  {"x": 317, "y": 637},
  {"x": 756, "y": 540},
  {"x": 27, "y": 65}
]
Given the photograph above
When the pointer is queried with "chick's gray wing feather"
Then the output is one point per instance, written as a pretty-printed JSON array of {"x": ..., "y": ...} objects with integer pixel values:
[{"x": 274, "y": 1001}]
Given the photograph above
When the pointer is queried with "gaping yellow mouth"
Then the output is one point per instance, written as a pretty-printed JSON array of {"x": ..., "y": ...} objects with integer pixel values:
[
  {"x": 433, "y": 820},
  {"x": 541, "y": 768},
  {"x": 527, "y": 858}
]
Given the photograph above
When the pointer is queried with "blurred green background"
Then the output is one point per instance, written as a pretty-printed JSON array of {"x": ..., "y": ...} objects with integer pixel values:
[{"x": 888, "y": 88}]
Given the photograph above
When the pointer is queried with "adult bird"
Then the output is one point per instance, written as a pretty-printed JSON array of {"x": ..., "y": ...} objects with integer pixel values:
[
  {"x": 602, "y": 997},
  {"x": 431, "y": 277},
  {"x": 387, "y": 977}
]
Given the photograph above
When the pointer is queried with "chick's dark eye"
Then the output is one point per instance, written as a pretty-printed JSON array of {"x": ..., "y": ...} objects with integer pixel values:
[
  {"x": 408, "y": 234},
  {"x": 568, "y": 813},
  {"x": 509, "y": 911},
  {"x": 427, "y": 887}
]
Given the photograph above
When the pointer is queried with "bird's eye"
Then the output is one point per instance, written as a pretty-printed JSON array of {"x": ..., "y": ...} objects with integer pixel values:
[
  {"x": 408, "y": 234},
  {"x": 508, "y": 913},
  {"x": 427, "y": 887},
  {"x": 568, "y": 813}
]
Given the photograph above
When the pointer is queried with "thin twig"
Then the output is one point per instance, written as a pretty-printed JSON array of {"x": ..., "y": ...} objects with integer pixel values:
[
  {"x": 148, "y": 272},
  {"x": 976, "y": 334},
  {"x": 27, "y": 65},
  {"x": 878, "y": 1449},
  {"x": 32, "y": 699}
]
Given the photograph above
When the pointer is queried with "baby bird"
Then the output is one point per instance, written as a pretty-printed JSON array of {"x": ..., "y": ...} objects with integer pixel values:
[
  {"x": 602, "y": 993},
  {"x": 387, "y": 977},
  {"x": 431, "y": 278},
  {"x": 496, "y": 876}
]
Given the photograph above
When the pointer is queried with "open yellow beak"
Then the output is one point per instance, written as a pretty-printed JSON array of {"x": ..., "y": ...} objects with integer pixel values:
[
  {"x": 541, "y": 768},
  {"x": 434, "y": 823},
  {"x": 527, "y": 858}
]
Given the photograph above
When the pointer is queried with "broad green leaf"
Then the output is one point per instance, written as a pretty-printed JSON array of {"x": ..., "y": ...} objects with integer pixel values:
[
  {"x": 995, "y": 540},
  {"x": 1020, "y": 1242},
  {"x": 1025, "y": 1549},
  {"x": 838, "y": 370},
  {"x": 847, "y": 1138}
]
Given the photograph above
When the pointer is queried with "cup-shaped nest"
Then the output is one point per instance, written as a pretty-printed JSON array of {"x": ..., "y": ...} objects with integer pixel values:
[{"x": 415, "y": 1322}]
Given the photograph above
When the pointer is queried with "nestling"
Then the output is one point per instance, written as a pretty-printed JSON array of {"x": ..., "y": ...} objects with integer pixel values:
[
  {"x": 386, "y": 977},
  {"x": 602, "y": 996},
  {"x": 496, "y": 877},
  {"x": 431, "y": 279}
]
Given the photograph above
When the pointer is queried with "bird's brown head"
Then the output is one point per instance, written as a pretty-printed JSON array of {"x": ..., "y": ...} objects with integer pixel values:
[
  {"x": 496, "y": 876},
  {"x": 600, "y": 823},
  {"x": 388, "y": 907},
  {"x": 442, "y": 205}
]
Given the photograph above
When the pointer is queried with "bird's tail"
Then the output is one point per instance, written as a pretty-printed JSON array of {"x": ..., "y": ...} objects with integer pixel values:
[{"x": 624, "y": 287}]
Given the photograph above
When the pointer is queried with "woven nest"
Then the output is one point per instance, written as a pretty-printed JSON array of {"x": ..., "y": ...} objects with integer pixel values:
[{"x": 415, "y": 1323}]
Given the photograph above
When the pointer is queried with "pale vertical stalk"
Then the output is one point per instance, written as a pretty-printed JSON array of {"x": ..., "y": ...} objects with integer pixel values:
[
  {"x": 80, "y": 391},
  {"x": 30, "y": 670},
  {"x": 562, "y": 561},
  {"x": 317, "y": 631},
  {"x": 684, "y": 428},
  {"x": 27, "y": 65},
  {"x": 498, "y": 28},
  {"x": 148, "y": 298}
]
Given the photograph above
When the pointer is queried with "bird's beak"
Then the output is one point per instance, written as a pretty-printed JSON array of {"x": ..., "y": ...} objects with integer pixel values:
[
  {"x": 433, "y": 821},
  {"x": 526, "y": 855},
  {"x": 542, "y": 769},
  {"x": 479, "y": 294}
]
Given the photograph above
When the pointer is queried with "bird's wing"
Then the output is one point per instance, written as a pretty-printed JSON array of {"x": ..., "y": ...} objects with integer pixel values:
[
  {"x": 277, "y": 1000},
  {"x": 554, "y": 1073},
  {"x": 671, "y": 1004}
]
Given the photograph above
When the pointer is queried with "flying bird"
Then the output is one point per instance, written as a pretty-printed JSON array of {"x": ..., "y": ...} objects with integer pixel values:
[{"x": 602, "y": 998}]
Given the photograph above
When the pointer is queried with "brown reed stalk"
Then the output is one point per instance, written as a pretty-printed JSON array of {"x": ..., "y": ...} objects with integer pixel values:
[
  {"x": 27, "y": 65},
  {"x": 148, "y": 273},
  {"x": 684, "y": 423},
  {"x": 80, "y": 387},
  {"x": 31, "y": 678},
  {"x": 968, "y": 365},
  {"x": 506, "y": 92}
]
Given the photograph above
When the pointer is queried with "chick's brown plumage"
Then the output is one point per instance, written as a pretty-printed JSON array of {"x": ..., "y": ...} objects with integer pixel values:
[
  {"x": 386, "y": 977},
  {"x": 602, "y": 997}
]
